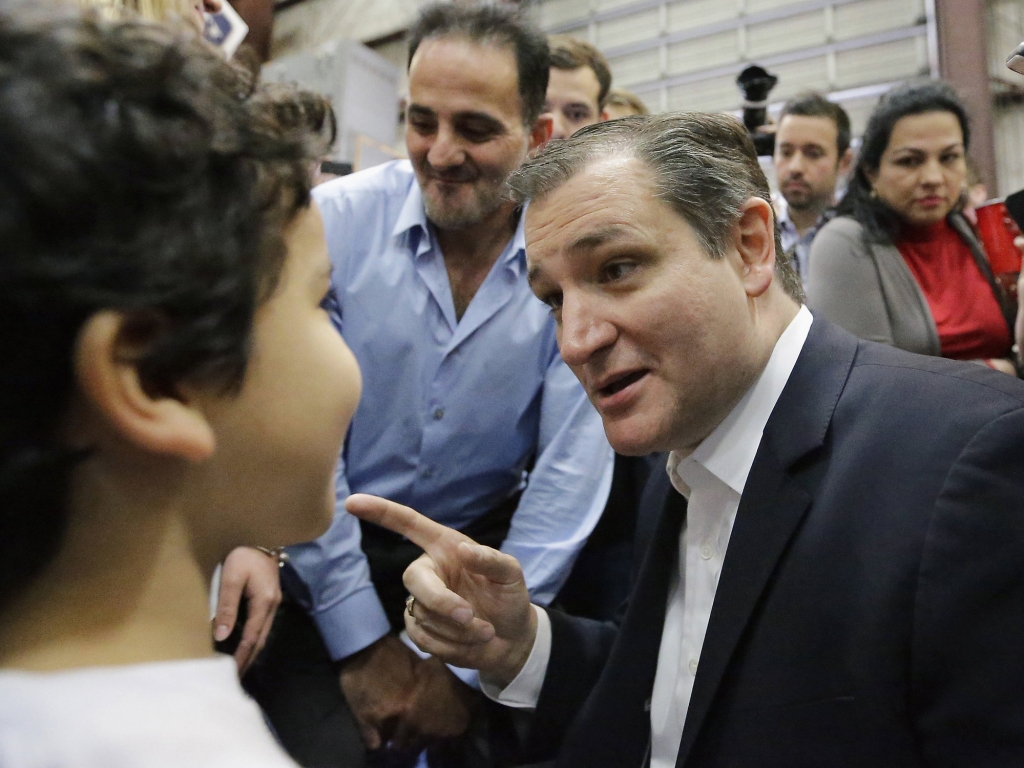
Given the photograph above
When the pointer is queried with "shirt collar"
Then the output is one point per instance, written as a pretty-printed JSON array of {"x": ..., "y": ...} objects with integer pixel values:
[
  {"x": 414, "y": 216},
  {"x": 728, "y": 452},
  {"x": 782, "y": 214}
]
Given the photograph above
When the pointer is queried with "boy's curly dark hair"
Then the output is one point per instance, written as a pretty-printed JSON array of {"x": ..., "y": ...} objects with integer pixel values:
[{"x": 138, "y": 172}]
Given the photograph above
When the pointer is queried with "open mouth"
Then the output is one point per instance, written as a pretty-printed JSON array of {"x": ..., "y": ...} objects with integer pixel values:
[{"x": 621, "y": 383}]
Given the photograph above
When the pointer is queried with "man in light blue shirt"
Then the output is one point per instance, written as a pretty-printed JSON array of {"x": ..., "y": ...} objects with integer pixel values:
[
  {"x": 812, "y": 152},
  {"x": 466, "y": 401}
]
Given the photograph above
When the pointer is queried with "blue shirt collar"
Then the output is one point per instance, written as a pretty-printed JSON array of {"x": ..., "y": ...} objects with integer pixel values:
[{"x": 414, "y": 216}]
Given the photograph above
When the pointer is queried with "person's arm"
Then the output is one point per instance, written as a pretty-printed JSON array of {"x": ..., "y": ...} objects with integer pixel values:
[
  {"x": 967, "y": 694},
  {"x": 254, "y": 575},
  {"x": 567, "y": 489},
  {"x": 843, "y": 283},
  {"x": 472, "y": 609}
]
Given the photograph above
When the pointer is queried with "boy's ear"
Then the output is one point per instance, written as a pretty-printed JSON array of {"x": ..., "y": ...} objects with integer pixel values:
[{"x": 109, "y": 381}]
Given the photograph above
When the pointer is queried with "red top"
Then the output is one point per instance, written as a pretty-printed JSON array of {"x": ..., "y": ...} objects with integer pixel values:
[{"x": 970, "y": 323}]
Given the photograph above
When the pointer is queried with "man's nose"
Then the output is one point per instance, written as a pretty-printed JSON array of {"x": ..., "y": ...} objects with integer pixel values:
[
  {"x": 560, "y": 128},
  {"x": 583, "y": 330},
  {"x": 445, "y": 150}
]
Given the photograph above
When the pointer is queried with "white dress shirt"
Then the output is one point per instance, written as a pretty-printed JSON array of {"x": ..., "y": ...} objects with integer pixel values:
[{"x": 712, "y": 478}]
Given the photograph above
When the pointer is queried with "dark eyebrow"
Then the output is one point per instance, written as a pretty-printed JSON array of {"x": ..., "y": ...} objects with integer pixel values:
[
  {"x": 586, "y": 243},
  {"x": 600, "y": 237},
  {"x": 416, "y": 109}
]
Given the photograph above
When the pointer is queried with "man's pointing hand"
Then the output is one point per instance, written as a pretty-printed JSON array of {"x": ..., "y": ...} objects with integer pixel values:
[{"x": 471, "y": 608}]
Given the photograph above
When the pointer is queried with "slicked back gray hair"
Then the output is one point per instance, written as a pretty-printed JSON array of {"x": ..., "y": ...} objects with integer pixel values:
[{"x": 704, "y": 166}]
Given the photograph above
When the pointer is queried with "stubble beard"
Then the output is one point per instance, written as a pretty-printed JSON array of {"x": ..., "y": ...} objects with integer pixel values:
[{"x": 446, "y": 212}]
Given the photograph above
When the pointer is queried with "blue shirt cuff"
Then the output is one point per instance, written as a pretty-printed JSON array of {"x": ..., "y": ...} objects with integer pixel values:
[{"x": 352, "y": 624}]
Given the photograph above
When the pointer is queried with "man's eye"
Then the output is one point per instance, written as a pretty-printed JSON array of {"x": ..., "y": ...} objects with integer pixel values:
[
  {"x": 577, "y": 115},
  {"x": 423, "y": 126},
  {"x": 616, "y": 270},
  {"x": 553, "y": 300}
]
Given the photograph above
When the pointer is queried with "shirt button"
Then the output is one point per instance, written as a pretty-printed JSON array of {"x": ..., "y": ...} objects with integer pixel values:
[
  {"x": 693, "y": 666},
  {"x": 706, "y": 552},
  {"x": 438, "y": 414},
  {"x": 428, "y": 472}
]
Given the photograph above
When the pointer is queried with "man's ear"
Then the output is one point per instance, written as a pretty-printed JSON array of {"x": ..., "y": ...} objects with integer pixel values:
[
  {"x": 755, "y": 243},
  {"x": 540, "y": 133},
  {"x": 108, "y": 378},
  {"x": 845, "y": 161}
]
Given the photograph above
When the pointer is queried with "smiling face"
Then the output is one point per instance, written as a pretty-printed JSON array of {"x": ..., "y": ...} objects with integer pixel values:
[
  {"x": 271, "y": 478},
  {"x": 572, "y": 100},
  {"x": 923, "y": 169},
  {"x": 660, "y": 334},
  {"x": 807, "y": 162},
  {"x": 464, "y": 128}
]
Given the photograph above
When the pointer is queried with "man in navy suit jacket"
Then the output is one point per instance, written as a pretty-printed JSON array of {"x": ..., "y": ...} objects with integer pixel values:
[{"x": 834, "y": 567}]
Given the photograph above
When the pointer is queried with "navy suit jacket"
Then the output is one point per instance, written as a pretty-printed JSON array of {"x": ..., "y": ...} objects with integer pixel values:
[{"x": 870, "y": 610}]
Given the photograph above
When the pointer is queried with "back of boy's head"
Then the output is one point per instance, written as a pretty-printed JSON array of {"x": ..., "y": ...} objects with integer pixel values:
[{"x": 139, "y": 172}]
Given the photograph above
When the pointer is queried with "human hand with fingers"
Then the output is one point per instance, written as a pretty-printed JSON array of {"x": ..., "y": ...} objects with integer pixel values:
[
  {"x": 471, "y": 607},
  {"x": 250, "y": 573}
]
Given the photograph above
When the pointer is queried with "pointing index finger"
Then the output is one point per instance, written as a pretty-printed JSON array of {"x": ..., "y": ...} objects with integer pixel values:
[{"x": 420, "y": 530}]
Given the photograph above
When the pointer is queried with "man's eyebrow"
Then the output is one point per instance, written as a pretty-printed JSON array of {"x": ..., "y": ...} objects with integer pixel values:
[
  {"x": 419, "y": 110},
  {"x": 533, "y": 274},
  {"x": 598, "y": 238}
]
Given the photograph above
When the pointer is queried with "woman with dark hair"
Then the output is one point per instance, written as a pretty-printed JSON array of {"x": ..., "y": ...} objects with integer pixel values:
[
  {"x": 900, "y": 264},
  {"x": 171, "y": 388}
]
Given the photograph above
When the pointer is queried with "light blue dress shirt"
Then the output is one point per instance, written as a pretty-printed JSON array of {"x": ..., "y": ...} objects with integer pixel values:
[{"x": 452, "y": 410}]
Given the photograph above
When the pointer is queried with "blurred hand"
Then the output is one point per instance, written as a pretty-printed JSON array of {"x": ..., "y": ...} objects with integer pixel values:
[
  {"x": 440, "y": 707},
  {"x": 378, "y": 683},
  {"x": 472, "y": 607},
  {"x": 257, "y": 576}
]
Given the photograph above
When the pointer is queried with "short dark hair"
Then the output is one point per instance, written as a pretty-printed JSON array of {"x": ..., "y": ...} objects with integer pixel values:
[
  {"x": 916, "y": 97},
  {"x": 142, "y": 173},
  {"x": 703, "y": 165},
  {"x": 493, "y": 25},
  {"x": 571, "y": 53},
  {"x": 813, "y": 104}
]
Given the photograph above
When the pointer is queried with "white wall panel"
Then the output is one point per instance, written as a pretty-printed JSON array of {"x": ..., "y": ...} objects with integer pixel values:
[
  {"x": 804, "y": 31},
  {"x": 712, "y": 95},
  {"x": 756, "y": 6},
  {"x": 685, "y": 54},
  {"x": 636, "y": 68},
  {"x": 628, "y": 29},
  {"x": 1009, "y": 131},
  {"x": 607, "y": 5},
  {"x": 870, "y": 16},
  {"x": 704, "y": 53},
  {"x": 798, "y": 76},
  {"x": 877, "y": 63},
  {"x": 554, "y": 12},
  {"x": 689, "y": 14}
]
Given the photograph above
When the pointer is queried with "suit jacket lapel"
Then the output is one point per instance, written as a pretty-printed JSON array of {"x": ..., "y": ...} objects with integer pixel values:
[
  {"x": 771, "y": 508},
  {"x": 614, "y": 724}
]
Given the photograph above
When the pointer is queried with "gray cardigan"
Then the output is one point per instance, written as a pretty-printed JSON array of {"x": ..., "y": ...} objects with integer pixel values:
[{"x": 867, "y": 288}]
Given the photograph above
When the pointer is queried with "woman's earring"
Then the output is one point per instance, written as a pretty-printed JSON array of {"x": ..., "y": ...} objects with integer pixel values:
[{"x": 874, "y": 194}]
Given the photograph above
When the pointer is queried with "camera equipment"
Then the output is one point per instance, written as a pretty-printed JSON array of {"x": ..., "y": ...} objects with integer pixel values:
[{"x": 755, "y": 83}]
